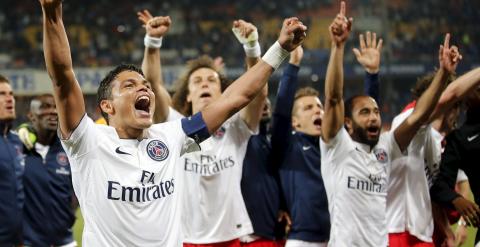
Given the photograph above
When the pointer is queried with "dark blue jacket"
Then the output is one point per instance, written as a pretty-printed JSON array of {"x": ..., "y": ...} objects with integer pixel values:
[
  {"x": 11, "y": 187},
  {"x": 48, "y": 212},
  {"x": 298, "y": 156},
  {"x": 260, "y": 188}
]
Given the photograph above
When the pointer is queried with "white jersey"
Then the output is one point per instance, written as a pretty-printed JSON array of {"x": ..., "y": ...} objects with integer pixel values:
[
  {"x": 409, "y": 205},
  {"x": 355, "y": 179},
  {"x": 214, "y": 210},
  {"x": 129, "y": 191}
]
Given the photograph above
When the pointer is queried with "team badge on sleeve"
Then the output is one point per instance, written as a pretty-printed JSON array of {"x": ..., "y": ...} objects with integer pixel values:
[
  {"x": 381, "y": 155},
  {"x": 62, "y": 159},
  {"x": 157, "y": 150}
]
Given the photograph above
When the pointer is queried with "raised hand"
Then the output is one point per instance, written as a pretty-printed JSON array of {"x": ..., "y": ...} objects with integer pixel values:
[
  {"x": 296, "y": 56},
  {"x": 292, "y": 34},
  {"x": 340, "y": 27},
  {"x": 369, "y": 54},
  {"x": 156, "y": 26},
  {"x": 245, "y": 32},
  {"x": 448, "y": 56}
]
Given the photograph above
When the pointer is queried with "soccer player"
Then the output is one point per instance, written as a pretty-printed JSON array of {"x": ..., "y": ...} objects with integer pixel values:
[
  {"x": 214, "y": 210},
  {"x": 460, "y": 151},
  {"x": 49, "y": 198},
  {"x": 127, "y": 175},
  {"x": 12, "y": 166},
  {"x": 409, "y": 210},
  {"x": 295, "y": 133},
  {"x": 356, "y": 158}
]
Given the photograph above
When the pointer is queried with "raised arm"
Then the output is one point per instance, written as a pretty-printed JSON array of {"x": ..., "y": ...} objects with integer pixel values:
[
  {"x": 369, "y": 57},
  {"x": 282, "y": 114},
  {"x": 333, "y": 118},
  {"x": 156, "y": 28},
  {"x": 66, "y": 90},
  {"x": 448, "y": 58},
  {"x": 247, "y": 35},
  {"x": 246, "y": 87},
  {"x": 456, "y": 91}
]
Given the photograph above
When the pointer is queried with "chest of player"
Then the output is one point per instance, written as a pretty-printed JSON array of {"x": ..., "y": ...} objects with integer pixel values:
[
  {"x": 367, "y": 171},
  {"x": 222, "y": 153},
  {"x": 135, "y": 171}
]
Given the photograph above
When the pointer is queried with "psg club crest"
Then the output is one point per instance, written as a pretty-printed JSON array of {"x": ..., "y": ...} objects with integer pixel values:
[
  {"x": 219, "y": 133},
  {"x": 381, "y": 155},
  {"x": 62, "y": 159},
  {"x": 157, "y": 150}
]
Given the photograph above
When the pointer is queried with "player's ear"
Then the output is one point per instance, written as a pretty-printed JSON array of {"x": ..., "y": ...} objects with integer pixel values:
[
  {"x": 107, "y": 107},
  {"x": 348, "y": 125}
]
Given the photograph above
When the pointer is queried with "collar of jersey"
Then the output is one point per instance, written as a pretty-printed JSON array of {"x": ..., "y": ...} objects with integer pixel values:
[{"x": 362, "y": 146}]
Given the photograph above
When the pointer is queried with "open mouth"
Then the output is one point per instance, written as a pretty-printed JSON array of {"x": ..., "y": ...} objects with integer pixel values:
[
  {"x": 143, "y": 104},
  {"x": 317, "y": 122},
  {"x": 373, "y": 131},
  {"x": 205, "y": 95}
]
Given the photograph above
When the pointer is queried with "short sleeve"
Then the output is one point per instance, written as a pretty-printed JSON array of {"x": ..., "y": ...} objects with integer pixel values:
[
  {"x": 338, "y": 146},
  {"x": 173, "y": 115},
  {"x": 83, "y": 139},
  {"x": 388, "y": 139},
  {"x": 243, "y": 133}
]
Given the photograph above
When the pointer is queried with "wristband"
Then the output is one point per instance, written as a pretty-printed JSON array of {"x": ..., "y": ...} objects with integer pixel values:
[
  {"x": 152, "y": 42},
  {"x": 275, "y": 55},
  {"x": 252, "y": 51}
]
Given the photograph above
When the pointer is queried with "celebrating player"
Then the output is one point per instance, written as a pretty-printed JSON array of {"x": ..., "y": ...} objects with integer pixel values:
[
  {"x": 127, "y": 175},
  {"x": 356, "y": 159}
]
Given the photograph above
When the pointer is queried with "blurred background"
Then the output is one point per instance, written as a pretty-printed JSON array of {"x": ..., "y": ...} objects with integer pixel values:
[{"x": 105, "y": 33}]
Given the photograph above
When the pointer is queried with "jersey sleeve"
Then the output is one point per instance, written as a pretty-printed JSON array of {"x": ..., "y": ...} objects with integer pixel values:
[
  {"x": 242, "y": 131},
  {"x": 83, "y": 139},
  {"x": 392, "y": 145},
  {"x": 282, "y": 115},
  {"x": 173, "y": 115},
  {"x": 338, "y": 147}
]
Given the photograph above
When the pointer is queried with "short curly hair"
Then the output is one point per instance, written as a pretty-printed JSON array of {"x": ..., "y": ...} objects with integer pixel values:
[
  {"x": 179, "y": 99},
  {"x": 424, "y": 82}
]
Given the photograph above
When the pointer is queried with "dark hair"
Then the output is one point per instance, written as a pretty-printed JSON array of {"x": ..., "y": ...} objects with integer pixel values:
[
  {"x": 105, "y": 88},
  {"x": 179, "y": 99},
  {"x": 424, "y": 82},
  {"x": 349, "y": 104},
  {"x": 4, "y": 79}
]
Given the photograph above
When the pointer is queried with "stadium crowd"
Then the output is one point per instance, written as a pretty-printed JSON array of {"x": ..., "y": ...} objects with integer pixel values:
[{"x": 219, "y": 163}]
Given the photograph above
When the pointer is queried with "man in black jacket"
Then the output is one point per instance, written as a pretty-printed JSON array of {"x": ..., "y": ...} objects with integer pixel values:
[{"x": 461, "y": 151}]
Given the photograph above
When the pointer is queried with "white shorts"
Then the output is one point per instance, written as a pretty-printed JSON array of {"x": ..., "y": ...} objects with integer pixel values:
[{"x": 300, "y": 243}]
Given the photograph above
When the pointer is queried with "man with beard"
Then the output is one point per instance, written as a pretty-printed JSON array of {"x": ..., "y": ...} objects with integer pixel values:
[
  {"x": 460, "y": 153},
  {"x": 49, "y": 198},
  {"x": 11, "y": 170},
  {"x": 355, "y": 157}
]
